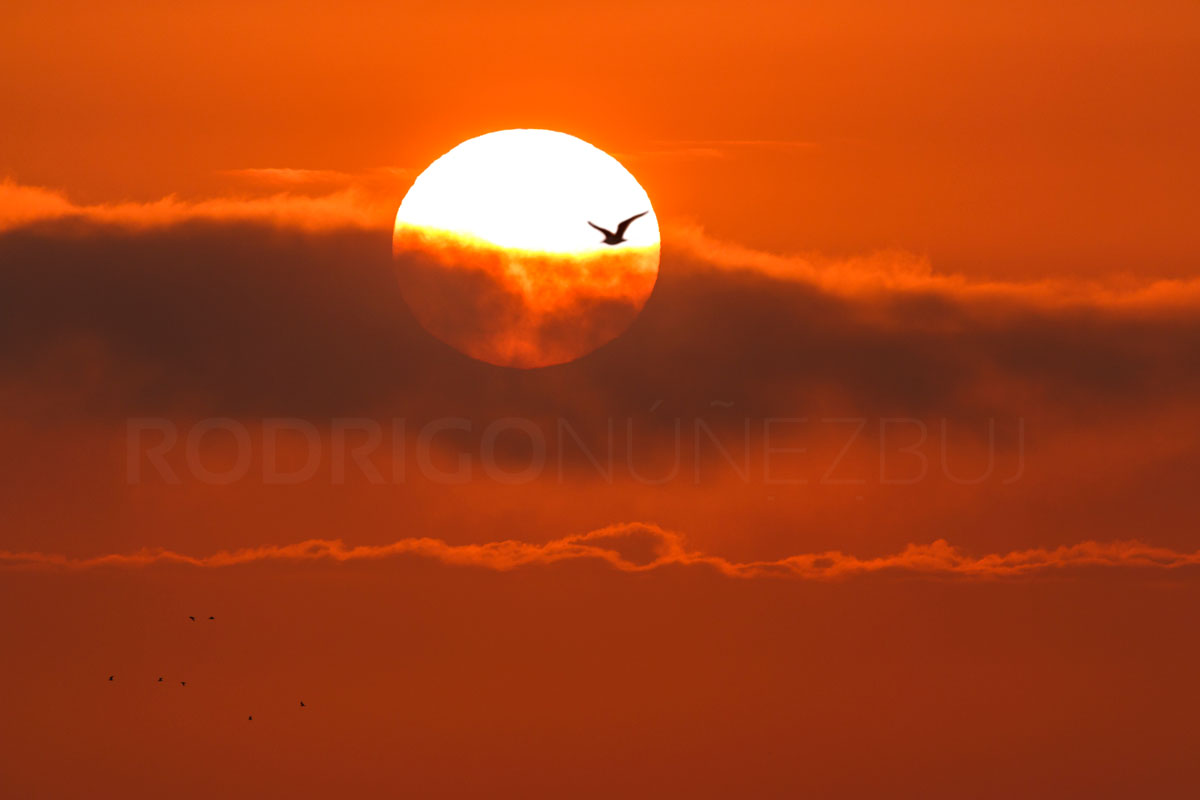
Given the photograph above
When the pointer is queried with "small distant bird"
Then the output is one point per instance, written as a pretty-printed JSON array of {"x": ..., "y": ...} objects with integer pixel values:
[
  {"x": 193, "y": 619},
  {"x": 250, "y": 718},
  {"x": 212, "y": 617},
  {"x": 110, "y": 677},
  {"x": 619, "y": 236},
  {"x": 181, "y": 683},
  {"x": 160, "y": 679},
  {"x": 302, "y": 704}
]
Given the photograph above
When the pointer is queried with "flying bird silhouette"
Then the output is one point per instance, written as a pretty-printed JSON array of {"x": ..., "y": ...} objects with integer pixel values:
[
  {"x": 110, "y": 677},
  {"x": 302, "y": 704},
  {"x": 619, "y": 236},
  {"x": 160, "y": 679},
  {"x": 250, "y": 718},
  {"x": 181, "y": 683},
  {"x": 212, "y": 617},
  {"x": 193, "y": 619}
]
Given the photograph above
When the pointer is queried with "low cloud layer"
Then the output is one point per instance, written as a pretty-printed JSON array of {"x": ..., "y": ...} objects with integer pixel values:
[
  {"x": 343, "y": 204},
  {"x": 330, "y": 200},
  {"x": 246, "y": 318},
  {"x": 1090, "y": 387},
  {"x": 641, "y": 547}
]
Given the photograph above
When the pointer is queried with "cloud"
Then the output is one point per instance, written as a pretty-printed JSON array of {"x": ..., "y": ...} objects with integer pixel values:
[
  {"x": 643, "y": 547},
  {"x": 387, "y": 183},
  {"x": 246, "y": 318},
  {"x": 706, "y": 149},
  {"x": 351, "y": 207},
  {"x": 292, "y": 176},
  {"x": 249, "y": 319},
  {"x": 521, "y": 308},
  {"x": 900, "y": 271},
  {"x": 368, "y": 200}
]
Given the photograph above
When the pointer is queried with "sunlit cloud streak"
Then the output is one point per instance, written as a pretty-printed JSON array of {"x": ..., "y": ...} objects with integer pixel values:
[
  {"x": 644, "y": 547},
  {"x": 901, "y": 271},
  {"x": 368, "y": 201},
  {"x": 707, "y": 149},
  {"x": 352, "y": 207}
]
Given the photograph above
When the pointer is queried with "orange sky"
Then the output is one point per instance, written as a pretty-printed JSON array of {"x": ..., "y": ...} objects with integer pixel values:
[
  {"x": 1002, "y": 137},
  {"x": 888, "y": 491}
]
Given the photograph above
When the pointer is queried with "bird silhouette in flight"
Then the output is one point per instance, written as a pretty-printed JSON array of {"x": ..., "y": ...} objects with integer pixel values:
[
  {"x": 250, "y": 718},
  {"x": 193, "y": 619},
  {"x": 619, "y": 236},
  {"x": 110, "y": 677},
  {"x": 212, "y": 617},
  {"x": 160, "y": 679},
  {"x": 302, "y": 704},
  {"x": 181, "y": 683}
]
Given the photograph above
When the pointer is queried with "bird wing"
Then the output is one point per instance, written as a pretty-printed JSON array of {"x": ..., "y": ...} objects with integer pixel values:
[
  {"x": 605, "y": 231},
  {"x": 625, "y": 223}
]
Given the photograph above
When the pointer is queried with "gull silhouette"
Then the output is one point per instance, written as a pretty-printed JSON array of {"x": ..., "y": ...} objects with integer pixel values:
[{"x": 619, "y": 236}]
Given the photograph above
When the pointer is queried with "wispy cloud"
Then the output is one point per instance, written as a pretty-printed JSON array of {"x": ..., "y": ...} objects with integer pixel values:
[
  {"x": 290, "y": 176},
  {"x": 782, "y": 145},
  {"x": 293, "y": 177},
  {"x": 351, "y": 207},
  {"x": 643, "y": 547},
  {"x": 326, "y": 200},
  {"x": 903, "y": 271},
  {"x": 706, "y": 149},
  {"x": 312, "y": 199}
]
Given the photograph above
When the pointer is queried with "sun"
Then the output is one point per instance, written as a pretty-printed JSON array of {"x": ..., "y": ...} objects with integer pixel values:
[
  {"x": 511, "y": 248},
  {"x": 529, "y": 190}
]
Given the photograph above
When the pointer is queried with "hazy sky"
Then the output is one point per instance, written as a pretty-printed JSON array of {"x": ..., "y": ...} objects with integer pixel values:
[{"x": 889, "y": 490}]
